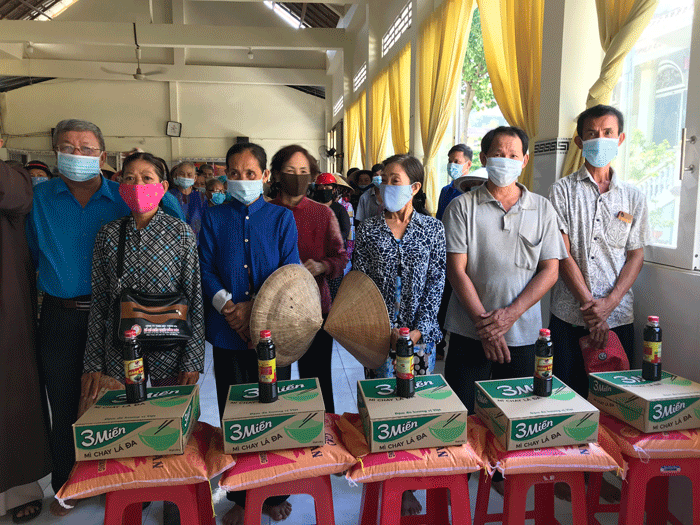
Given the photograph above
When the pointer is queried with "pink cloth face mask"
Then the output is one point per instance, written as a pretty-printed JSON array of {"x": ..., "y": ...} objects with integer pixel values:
[{"x": 142, "y": 198}]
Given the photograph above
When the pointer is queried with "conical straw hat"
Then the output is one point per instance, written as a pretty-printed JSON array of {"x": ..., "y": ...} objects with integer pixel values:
[
  {"x": 359, "y": 321},
  {"x": 289, "y": 305}
]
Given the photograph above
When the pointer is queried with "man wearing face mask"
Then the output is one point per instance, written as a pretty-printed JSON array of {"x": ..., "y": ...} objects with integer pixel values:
[
  {"x": 503, "y": 252},
  {"x": 370, "y": 202},
  {"x": 459, "y": 161},
  {"x": 604, "y": 224},
  {"x": 192, "y": 202}
]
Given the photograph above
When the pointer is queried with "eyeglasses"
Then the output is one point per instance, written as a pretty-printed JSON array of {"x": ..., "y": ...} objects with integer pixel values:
[{"x": 67, "y": 149}]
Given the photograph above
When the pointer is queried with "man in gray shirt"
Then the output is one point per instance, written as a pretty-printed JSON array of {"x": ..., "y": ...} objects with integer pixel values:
[
  {"x": 503, "y": 251},
  {"x": 604, "y": 224}
]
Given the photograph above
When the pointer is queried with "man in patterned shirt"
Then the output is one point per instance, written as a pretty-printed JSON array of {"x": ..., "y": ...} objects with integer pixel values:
[{"x": 604, "y": 223}]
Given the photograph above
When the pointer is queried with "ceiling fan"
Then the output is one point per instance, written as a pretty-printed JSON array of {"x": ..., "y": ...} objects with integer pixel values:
[{"x": 139, "y": 75}]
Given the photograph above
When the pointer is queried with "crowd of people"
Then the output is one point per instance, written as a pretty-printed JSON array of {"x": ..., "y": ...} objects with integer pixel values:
[{"x": 476, "y": 272}]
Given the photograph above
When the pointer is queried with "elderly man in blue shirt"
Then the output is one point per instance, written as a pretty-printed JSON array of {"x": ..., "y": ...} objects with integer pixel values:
[
  {"x": 66, "y": 215},
  {"x": 241, "y": 243}
]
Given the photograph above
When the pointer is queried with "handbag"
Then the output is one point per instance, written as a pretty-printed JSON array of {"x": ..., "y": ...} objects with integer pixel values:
[
  {"x": 609, "y": 359},
  {"x": 161, "y": 320}
]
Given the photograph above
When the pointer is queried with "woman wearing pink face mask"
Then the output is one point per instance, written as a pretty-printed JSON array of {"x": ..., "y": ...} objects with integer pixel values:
[{"x": 160, "y": 256}]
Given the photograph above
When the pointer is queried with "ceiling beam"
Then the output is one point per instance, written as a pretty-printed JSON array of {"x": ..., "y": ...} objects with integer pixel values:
[
  {"x": 171, "y": 35},
  {"x": 77, "y": 69}
]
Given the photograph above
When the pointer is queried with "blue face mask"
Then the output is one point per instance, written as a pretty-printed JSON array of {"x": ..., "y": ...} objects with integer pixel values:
[
  {"x": 395, "y": 197},
  {"x": 363, "y": 187},
  {"x": 245, "y": 191},
  {"x": 184, "y": 182},
  {"x": 454, "y": 170},
  {"x": 218, "y": 198},
  {"x": 222, "y": 179},
  {"x": 78, "y": 168},
  {"x": 377, "y": 180},
  {"x": 600, "y": 152},
  {"x": 37, "y": 180}
]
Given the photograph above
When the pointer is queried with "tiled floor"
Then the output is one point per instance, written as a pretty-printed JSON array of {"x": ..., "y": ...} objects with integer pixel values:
[{"x": 346, "y": 499}]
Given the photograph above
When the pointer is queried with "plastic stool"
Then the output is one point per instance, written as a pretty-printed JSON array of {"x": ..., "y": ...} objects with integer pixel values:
[
  {"x": 655, "y": 472},
  {"x": 319, "y": 488},
  {"x": 515, "y": 498},
  {"x": 123, "y": 507},
  {"x": 436, "y": 501}
]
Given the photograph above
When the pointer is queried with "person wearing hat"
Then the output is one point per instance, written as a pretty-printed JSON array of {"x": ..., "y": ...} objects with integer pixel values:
[
  {"x": 403, "y": 252},
  {"x": 242, "y": 242},
  {"x": 321, "y": 249},
  {"x": 38, "y": 171},
  {"x": 344, "y": 193}
]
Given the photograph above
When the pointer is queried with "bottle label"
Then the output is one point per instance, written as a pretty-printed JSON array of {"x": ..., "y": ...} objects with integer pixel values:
[
  {"x": 133, "y": 372},
  {"x": 404, "y": 367},
  {"x": 267, "y": 371},
  {"x": 543, "y": 367},
  {"x": 652, "y": 352}
]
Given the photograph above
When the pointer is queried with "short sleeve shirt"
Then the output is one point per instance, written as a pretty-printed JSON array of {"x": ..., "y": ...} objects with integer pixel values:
[
  {"x": 503, "y": 250},
  {"x": 599, "y": 239}
]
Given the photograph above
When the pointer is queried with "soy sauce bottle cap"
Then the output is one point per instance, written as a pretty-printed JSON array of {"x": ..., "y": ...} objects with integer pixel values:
[
  {"x": 265, "y": 334},
  {"x": 544, "y": 332},
  {"x": 404, "y": 332},
  {"x": 653, "y": 318},
  {"x": 130, "y": 334}
]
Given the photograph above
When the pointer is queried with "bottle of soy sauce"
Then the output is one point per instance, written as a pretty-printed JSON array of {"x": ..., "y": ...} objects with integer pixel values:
[
  {"x": 134, "y": 372},
  {"x": 405, "y": 378},
  {"x": 267, "y": 368},
  {"x": 542, "y": 382},
  {"x": 651, "y": 366}
]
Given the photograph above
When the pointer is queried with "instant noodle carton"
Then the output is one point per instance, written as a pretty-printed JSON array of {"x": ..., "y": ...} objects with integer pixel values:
[
  {"x": 434, "y": 417},
  {"x": 650, "y": 406},
  {"x": 161, "y": 425},
  {"x": 295, "y": 420},
  {"x": 521, "y": 420}
]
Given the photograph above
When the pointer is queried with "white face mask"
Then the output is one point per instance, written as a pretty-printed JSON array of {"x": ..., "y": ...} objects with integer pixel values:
[
  {"x": 502, "y": 171},
  {"x": 78, "y": 168}
]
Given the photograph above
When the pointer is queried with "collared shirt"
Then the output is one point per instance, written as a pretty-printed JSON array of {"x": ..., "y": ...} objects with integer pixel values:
[
  {"x": 599, "y": 239},
  {"x": 61, "y": 234},
  {"x": 160, "y": 258},
  {"x": 418, "y": 258},
  {"x": 192, "y": 206},
  {"x": 447, "y": 195},
  {"x": 503, "y": 250},
  {"x": 320, "y": 240},
  {"x": 236, "y": 239},
  {"x": 368, "y": 205}
]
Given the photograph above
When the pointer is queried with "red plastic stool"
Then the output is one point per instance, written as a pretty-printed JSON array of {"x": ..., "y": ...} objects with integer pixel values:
[
  {"x": 319, "y": 488},
  {"x": 654, "y": 472},
  {"x": 436, "y": 501},
  {"x": 515, "y": 498},
  {"x": 123, "y": 507}
]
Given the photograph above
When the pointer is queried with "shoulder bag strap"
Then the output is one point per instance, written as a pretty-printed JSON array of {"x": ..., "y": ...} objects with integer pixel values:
[{"x": 120, "y": 249}]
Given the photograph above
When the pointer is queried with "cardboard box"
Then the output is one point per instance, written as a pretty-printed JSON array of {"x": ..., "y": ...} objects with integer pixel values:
[
  {"x": 649, "y": 406},
  {"x": 434, "y": 417},
  {"x": 295, "y": 420},
  {"x": 161, "y": 425},
  {"x": 521, "y": 420}
]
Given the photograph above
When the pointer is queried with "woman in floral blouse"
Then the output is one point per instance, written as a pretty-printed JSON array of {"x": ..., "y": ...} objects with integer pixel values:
[
  {"x": 160, "y": 256},
  {"x": 403, "y": 252}
]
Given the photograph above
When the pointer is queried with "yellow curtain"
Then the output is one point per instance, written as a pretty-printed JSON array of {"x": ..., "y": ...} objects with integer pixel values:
[
  {"x": 400, "y": 99},
  {"x": 362, "y": 126},
  {"x": 512, "y": 32},
  {"x": 352, "y": 136},
  {"x": 443, "y": 43},
  {"x": 380, "y": 118},
  {"x": 620, "y": 24}
]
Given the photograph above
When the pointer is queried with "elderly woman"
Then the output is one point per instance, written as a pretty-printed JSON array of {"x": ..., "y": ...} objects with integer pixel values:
[
  {"x": 321, "y": 249},
  {"x": 192, "y": 202},
  {"x": 163, "y": 254},
  {"x": 403, "y": 252}
]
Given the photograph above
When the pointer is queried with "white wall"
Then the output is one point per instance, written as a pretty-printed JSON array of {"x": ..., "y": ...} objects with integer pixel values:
[{"x": 135, "y": 114}]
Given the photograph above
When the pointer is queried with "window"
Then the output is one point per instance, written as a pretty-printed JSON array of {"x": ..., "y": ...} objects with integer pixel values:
[
  {"x": 285, "y": 14},
  {"x": 398, "y": 27},
  {"x": 338, "y": 106},
  {"x": 653, "y": 95},
  {"x": 360, "y": 77}
]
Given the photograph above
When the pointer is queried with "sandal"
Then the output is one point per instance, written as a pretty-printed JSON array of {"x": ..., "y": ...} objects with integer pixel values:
[{"x": 37, "y": 504}]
